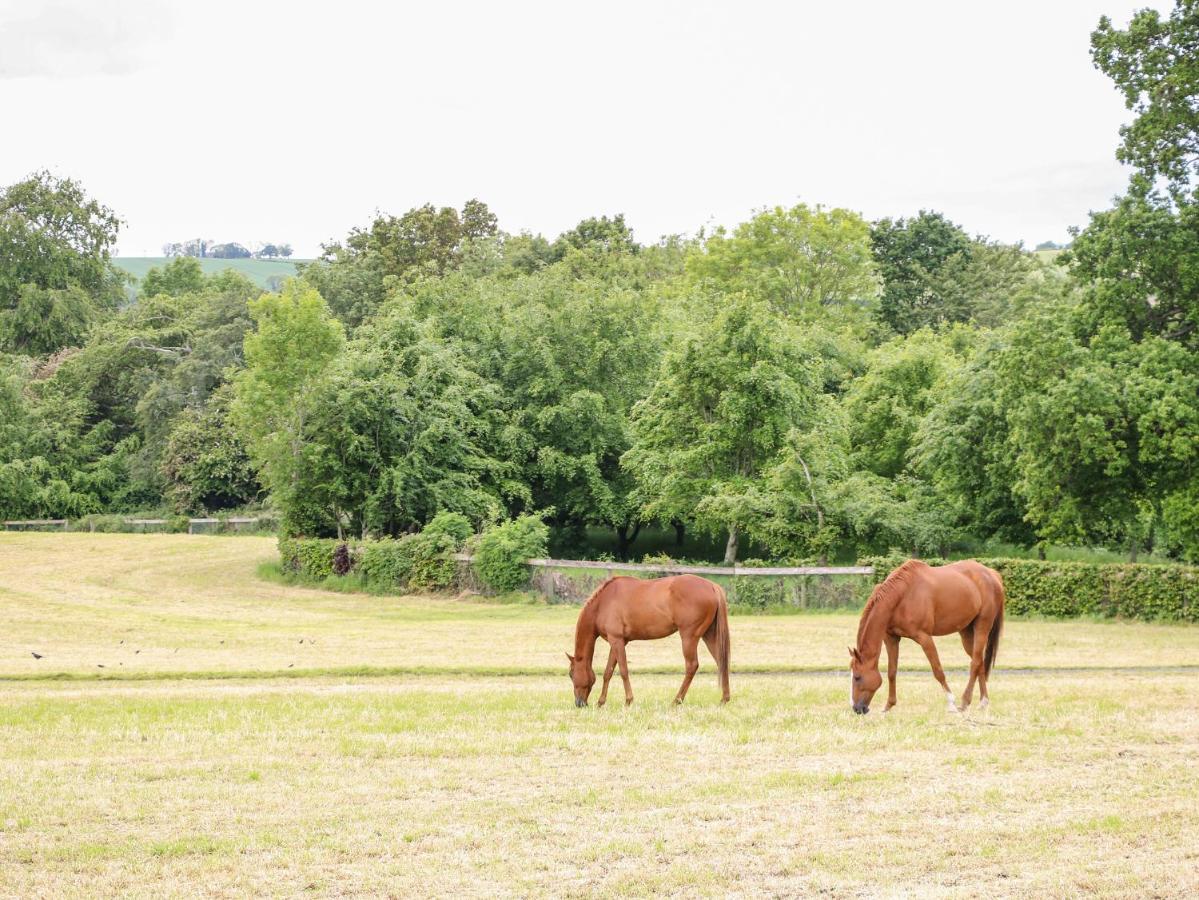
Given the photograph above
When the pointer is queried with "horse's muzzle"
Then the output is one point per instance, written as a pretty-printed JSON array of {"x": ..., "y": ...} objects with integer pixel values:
[
  {"x": 580, "y": 702},
  {"x": 861, "y": 708}
]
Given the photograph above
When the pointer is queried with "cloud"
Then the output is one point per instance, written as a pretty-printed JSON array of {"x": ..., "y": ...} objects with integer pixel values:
[{"x": 71, "y": 38}]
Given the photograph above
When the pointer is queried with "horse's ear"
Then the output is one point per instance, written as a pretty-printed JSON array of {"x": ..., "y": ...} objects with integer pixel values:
[
  {"x": 853, "y": 653},
  {"x": 571, "y": 658}
]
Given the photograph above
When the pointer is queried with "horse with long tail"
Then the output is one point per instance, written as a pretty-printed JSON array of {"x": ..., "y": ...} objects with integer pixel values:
[
  {"x": 624, "y": 609},
  {"x": 918, "y": 601}
]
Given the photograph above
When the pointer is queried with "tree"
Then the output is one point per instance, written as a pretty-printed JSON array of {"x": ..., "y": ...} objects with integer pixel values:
[
  {"x": 56, "y": 270},
  {"x": 402, "y": 429},
  {"x": 603, "y": 234},
  {"x": 395, "y": 251},
  {"x": 228, "y": 251},
  {"x": 908, "y": 253},
  {"x": 811, "y": 264},
  {"x": 1138, "y": 265},
  {"x": 181, "y": 275},
  {"x": 205, "y": 465},
  {"x": 724, "y": 406},
  {"x": 287, "y": 356},
  {"x": 885, "y": 406},
  {"x": 1155, "y": 65},
  {"x": 1103, "y": 427}
]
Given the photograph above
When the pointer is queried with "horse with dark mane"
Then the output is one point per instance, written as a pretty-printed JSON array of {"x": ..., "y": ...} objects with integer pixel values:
[
  {"x": 624, "y": 609},
  {"x": 919, "y": 602}
]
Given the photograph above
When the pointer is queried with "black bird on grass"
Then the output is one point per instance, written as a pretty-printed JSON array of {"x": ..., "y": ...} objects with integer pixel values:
[{"x": 35, "y": 654}]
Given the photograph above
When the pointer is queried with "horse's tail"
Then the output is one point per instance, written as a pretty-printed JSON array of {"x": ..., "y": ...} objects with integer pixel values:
[
  {"x": 996, "y": 627},
  {"x": 719, "y": 630}
]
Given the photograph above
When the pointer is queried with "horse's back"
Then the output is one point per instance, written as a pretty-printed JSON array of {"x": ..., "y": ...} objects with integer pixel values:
[{"x": 647, "y": 609}]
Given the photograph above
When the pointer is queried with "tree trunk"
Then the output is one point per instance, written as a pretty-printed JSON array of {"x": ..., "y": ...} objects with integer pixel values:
[
  {"x": 1132, "y": 549},
  {"x": 624, "y": 540},
  {"x": 730, "y": 548},
  {"x": 1040, "y": 550},
  {"x": 680, "y": 533}
]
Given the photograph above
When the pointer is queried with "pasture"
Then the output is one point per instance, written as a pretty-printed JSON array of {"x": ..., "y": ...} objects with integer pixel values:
[
  {"x": 259, "y": 271},
  {"x": 194, "y": 729}
]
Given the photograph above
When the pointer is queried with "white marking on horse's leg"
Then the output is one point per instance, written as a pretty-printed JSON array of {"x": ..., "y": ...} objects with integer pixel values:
[
  {"x": 953, "y": 707},
  {"x": 984, "y": 703}
]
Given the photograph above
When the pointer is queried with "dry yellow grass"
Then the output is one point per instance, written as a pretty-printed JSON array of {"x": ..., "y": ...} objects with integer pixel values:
[{"x": 415, "y": 785}]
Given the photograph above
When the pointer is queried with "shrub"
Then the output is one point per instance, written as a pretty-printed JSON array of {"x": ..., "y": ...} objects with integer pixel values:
[
  {"x": 309, "y": 557},
  {"x": 502, "y": 550},
  {"x": 341, "y": 560},
  {"x": 1131, "y": 590},
  {"x": 418, "y": 561},
  {"x": 449, "y": 524}
]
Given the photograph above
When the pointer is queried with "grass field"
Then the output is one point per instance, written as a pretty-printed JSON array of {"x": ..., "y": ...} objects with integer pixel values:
[
  {"x": 417, "y": 746},
  {"x": 260, "y": 271}
]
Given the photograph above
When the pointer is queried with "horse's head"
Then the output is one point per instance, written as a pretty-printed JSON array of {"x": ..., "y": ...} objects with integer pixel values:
[
  {"x": 582, "y": 676},
  {"x": 864, "y": 680}
]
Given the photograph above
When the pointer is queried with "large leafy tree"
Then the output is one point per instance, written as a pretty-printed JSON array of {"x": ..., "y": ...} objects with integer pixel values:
[
  {"x": 403, "y": 428},
  {"x": 909, "y": 253},
  {"x": 1155, "y": 64},
  {"x": 811, "y": 264},
  {"x": 723, "y": 409},
  {"x": 288, "y": 356},
  {"x": 56, "y": 271},
  {"x": 356, "y": 276}
]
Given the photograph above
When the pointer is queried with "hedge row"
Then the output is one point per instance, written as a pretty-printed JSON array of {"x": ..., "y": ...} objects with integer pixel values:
[
  {"x": 424, "y": 561},
  {"x": 1064, "y": 589}
]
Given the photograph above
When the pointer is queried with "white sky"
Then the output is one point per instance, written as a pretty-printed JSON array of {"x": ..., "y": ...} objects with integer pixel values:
[{"x": 294, "y": 121}]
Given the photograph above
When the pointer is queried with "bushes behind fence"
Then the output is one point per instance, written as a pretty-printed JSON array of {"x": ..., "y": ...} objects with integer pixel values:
[
  {"x": 1129, "y": 590},
  {"x": 425, "y": 561}
]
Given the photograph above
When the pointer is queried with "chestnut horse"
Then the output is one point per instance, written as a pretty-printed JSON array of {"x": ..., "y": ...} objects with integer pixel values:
[
  {"x": 624, "y": 609},
  {"x": 918, "y": 601}
]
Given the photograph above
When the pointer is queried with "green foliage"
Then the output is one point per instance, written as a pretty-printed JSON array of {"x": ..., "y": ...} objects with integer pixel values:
[
  {"x": 453, "y": 525},
  {"x": 811, "y": 264},
  {"x": 909, "y": 252},
  {"x": 502, "y": 550},
  {"x": 56, "y": 271},
  {"x": 205, "y": 465},
  {"x": 287, "y": 357},
  {"x": 1154, "y": 64},
  {"x": 310, "y": 558},
  {"x": 181, "y": 275},
  {"x": 724, "y": 408}
]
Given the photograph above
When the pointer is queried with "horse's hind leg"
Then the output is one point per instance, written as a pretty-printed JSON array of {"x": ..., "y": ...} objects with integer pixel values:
[
  {"x": 976, "y": 649},
  {"x": 691, "y": 657},
  {"x": 714, "y": 650},
  {"x": 608, "y": 670}
]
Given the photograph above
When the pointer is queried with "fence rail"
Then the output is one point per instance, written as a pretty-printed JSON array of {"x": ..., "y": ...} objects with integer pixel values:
[
  {"x": 671, "y": 569},
  {"x": 141, "y": 524}
]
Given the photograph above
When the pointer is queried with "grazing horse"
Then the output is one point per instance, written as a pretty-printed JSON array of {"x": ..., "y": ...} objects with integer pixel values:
[
  {"x": 626, "y": 609},
  {"x": 918, "y": 601}
]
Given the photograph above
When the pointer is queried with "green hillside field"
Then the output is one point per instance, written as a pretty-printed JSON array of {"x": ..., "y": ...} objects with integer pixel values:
[{"x": 260, "y": 271}]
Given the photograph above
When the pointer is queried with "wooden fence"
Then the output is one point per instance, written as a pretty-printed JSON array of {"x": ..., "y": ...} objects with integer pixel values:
[
  {"x": 194, "y": 526},
  {"x": 561, "y": 580}
]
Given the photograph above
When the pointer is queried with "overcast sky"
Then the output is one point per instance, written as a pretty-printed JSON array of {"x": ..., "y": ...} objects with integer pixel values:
[{"x": 295, "y": 121}]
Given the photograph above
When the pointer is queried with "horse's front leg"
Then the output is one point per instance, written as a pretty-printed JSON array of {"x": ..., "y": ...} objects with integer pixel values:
[
  {"x": 930, "y": 650},
  {"x": 618, "y": 649},
  {"x": 691, "y": 657},
  {"x": 892, "y": 668},
  {"x": 608, "y": 670}
]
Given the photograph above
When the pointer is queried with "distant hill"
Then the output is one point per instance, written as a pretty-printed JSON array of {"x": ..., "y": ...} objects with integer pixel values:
[{"x": 263, "y": 272}]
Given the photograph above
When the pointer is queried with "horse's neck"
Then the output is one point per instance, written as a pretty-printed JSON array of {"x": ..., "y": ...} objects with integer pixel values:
[
  {"x": 585, "y": 633},
  {"x": 873, "y": 625}
]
